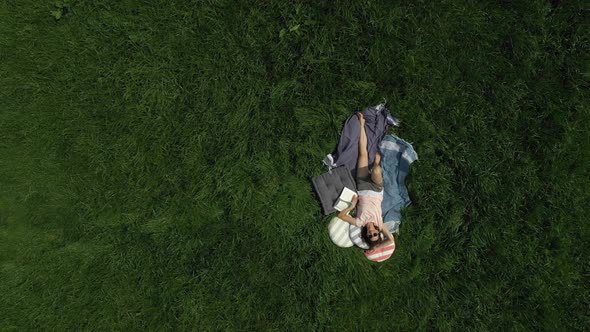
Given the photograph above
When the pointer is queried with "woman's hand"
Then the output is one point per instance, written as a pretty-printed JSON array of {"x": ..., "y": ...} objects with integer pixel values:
[
  {"x": 355, "y": 200},
  {"x": 389, "y": 238},
  {"x": 344, "y": 213}
]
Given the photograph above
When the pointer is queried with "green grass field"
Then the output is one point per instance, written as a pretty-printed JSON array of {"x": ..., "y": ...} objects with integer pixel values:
[{"x": 156, "y": 157}]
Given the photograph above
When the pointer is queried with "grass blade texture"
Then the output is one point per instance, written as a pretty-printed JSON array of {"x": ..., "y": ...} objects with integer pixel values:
[{"x": 156, "y": 156}]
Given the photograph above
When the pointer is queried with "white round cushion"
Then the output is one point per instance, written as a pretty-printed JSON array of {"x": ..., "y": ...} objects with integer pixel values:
[{"x": 339, "y": 233}]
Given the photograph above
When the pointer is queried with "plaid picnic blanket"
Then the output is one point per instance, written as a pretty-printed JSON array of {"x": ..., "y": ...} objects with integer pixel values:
[{"x": 398, "y": 155}]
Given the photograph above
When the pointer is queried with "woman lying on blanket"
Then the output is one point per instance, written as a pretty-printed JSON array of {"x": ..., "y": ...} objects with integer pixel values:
[{"x": 370, "y": 196}]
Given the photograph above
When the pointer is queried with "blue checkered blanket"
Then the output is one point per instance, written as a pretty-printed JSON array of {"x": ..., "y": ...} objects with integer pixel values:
[{"x": 398, "y": 155}]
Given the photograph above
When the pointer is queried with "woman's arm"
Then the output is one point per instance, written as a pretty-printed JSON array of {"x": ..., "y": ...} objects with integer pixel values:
[
  {"x": 344, "y": 213},
  {"x": 389, "y": 238}
]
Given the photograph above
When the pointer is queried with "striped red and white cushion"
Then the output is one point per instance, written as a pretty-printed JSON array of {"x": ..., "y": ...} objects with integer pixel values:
[
  {"x": 339, "y": 232},
  {"x": 381, "y": 254}
]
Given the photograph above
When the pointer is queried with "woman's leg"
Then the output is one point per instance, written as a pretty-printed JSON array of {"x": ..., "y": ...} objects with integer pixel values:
[
  {"x": 362, "y": 167},
  {"x": 376, "y": 173}
]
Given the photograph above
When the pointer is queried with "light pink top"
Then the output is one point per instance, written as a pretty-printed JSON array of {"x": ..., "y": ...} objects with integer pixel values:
[{"x": 369, "y": 208}]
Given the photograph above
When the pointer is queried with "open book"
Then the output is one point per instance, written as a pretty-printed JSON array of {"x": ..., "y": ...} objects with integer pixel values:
[{"x": 345, "y": 199}]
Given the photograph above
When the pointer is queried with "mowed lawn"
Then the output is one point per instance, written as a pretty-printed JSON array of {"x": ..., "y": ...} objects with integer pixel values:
[{"x": 156, "y": 157}]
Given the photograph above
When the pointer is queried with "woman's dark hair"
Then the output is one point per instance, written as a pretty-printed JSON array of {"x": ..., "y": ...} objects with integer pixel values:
[{"x": 365, "y": 237}]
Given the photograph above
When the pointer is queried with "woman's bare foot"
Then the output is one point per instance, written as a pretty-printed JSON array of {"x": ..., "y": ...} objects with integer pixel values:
[{"x": 361, "y": 118}]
